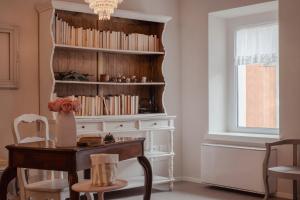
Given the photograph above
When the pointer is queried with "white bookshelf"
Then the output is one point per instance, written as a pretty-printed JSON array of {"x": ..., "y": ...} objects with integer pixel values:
[{"x": 55, "y": 57}]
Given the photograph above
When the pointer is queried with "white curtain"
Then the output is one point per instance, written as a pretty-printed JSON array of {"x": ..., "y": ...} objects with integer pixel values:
[{"x": 257, "y": 45}]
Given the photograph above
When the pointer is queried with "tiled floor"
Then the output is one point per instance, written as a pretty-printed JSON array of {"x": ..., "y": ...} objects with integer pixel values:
[{"x": 186, "y": 191}]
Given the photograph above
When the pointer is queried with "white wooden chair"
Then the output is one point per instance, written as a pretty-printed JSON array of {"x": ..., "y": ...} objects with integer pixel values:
[{"x": 54, "y": 188}]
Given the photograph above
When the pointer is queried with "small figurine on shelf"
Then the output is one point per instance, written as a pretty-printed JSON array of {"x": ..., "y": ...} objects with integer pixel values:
[
  {"x": 128, "y": 80},
  {"x": 133, "y": 79},
  {"x": 144, "y": 79},
  {"x": 104, "y": 77},
  {"x": 71, "y": 76},
  {"x": 109, "y": 138}
]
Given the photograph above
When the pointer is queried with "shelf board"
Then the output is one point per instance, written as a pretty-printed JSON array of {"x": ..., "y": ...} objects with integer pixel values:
[
  {"x": 158, "y": 154},
  {"x": 63, "y": 46},
  {"x": 138, "y": 181},
  {"x": 108, "y": 83}
]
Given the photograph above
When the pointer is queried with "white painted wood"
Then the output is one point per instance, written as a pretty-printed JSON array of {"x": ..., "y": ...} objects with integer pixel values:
[
  {"x": 53, "y": 188},
  {"x": 158, "y": 154},
  {"x": 103, "y": 124},
  {"x": 30, "y": 118},
  {"x": 171, "y": 160},
  {"x": 121, "y": 126},
  {"x": 236, "y": 167},
  {"x": 99, "y": 125},
  {"x": 12, "y": 79},
  {"x": 154, "y": 124},
  {"x": 118, "y": 51},
  {"x": 84, "y": 8},
  {"x": 46, "y": 52},
  {"x": 106, "y": 83}
]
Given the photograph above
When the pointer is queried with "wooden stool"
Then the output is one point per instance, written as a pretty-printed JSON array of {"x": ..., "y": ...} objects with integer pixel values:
[{"x": 86, "y": 186}]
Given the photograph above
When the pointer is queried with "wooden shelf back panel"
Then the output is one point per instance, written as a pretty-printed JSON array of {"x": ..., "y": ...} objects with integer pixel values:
[
  {"x": 116, "y": 63},
  {"x": 129, "y": 65},
  {"x": 79, "y": 61},
  {"x": 78, "y": 20},
  {"x": 114, "y": 24},
  {"x": 127, "y": 26},
  {"x": 79, "y": 90},
  {"x": 153, "y": 93}
]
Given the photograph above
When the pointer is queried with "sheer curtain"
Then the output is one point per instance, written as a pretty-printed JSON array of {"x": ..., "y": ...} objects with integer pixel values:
[{"x": 257, "y": 45}]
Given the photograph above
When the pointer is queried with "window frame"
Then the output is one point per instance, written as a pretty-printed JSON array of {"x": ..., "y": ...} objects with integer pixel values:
[{"x": 233, "y": 86}]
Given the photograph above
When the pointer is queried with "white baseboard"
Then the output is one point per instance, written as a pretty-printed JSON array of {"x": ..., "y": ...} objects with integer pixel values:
[{"x": 190, "y": 179}]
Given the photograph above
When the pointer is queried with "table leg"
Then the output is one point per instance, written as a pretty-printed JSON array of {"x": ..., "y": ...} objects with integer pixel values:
[
  {"x": 87, "y": 174},
  {"x": 8, "y": 175},
  {"x": 73, "y": 179},
  {"x": 148, "y": 176}
]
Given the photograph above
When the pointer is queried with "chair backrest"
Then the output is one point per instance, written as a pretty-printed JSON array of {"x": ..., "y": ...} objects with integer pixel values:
[{"x": 30, "y": 118}]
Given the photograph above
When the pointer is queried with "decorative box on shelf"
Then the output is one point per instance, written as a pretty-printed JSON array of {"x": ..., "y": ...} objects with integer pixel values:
[{"x": 129, "y": 45}]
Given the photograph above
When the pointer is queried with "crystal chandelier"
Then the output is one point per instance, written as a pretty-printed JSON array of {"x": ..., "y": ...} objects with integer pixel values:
[{"x": 104, "y": 8}]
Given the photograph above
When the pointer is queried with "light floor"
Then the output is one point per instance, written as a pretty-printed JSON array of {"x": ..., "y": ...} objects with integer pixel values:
[{"x": 185, "y": 191}]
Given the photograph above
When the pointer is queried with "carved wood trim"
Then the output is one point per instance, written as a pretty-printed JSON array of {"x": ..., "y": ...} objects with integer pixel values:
[{"x": 11, "y": 82}]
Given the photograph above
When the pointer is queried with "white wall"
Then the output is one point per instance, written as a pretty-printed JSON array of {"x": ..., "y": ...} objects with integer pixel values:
[
  {"x": 25, "y": 99},
  {"x": 194, "y": 26}
]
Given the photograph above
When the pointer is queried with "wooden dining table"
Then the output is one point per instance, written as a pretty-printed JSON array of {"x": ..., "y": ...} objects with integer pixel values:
[{"x": 45, "y": 156}]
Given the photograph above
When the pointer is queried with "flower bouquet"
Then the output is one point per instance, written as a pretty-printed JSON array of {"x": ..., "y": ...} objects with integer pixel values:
[{"x": 65, "y": 129}]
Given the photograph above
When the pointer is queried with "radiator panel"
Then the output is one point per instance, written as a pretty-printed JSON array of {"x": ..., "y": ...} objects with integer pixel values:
[{"x": 235, "y": 167}]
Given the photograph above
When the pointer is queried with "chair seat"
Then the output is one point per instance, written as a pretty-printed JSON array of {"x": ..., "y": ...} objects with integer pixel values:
[
  {"x": 86, "y": 186},
  {"x": 288, "y": 172},
  {"x": 56, "y": 185}
]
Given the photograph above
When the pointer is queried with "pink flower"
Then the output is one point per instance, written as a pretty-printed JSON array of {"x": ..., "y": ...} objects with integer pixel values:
[
  {"x": 64, "y": 105},
  {"x": 76, "y": 106},
  {"x": 54, "y": 106}
]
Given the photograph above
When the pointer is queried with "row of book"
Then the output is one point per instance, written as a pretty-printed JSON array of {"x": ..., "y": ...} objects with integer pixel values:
[
  {"x": 70, "y": 35},
  {"x": 109, "y": 105}
]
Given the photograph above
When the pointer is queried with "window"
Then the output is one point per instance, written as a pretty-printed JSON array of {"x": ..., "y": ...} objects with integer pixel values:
[
  {"x": 256, "y": 63},
  {"x": 244, "y": 71}
]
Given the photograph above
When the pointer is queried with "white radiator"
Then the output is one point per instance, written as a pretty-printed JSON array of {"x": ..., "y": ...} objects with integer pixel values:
[{"x": 235, "y": 167}]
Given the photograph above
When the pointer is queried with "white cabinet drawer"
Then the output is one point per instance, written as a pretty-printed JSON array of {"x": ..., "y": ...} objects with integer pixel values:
[
  {"x": 154, "y": 124},
  {"x": 120, "y": 126},
  {"x": 89, "y": 127}
]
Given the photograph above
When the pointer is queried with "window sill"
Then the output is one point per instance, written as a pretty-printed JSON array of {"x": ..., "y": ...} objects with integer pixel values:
[{"x": 241, "y": 137}]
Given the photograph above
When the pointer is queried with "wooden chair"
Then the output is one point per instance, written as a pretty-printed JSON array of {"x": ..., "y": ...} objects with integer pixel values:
[
  {"x": 291, "y": 172},
  {"x": 55, "y": 188}
]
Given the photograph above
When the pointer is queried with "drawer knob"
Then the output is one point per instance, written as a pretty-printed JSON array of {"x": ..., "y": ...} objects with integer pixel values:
[
  {"x": 82, "y": 126},
  {"x": 155, "y": 123},
  {"x": 121, "y": 125}
]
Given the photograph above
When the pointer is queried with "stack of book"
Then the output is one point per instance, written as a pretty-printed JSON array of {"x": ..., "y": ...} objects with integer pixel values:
[
  {"x": 110, "y": 105},
  {"x": 69, "y": 35}
]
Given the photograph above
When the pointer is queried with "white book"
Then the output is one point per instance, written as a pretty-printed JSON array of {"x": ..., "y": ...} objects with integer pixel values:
[
  {"x": 79, "y": 38},
  {"x": 132, "y": 106},
  {"x": 136, "y": 105},
  {"x": 101, "y": 39}
]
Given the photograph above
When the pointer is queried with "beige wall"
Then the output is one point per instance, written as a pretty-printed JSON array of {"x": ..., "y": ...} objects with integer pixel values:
[
  {"x": 192, "y": 108},
  {"x": 194, "y": 40},
  {"x": 25, "y": 99}
]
